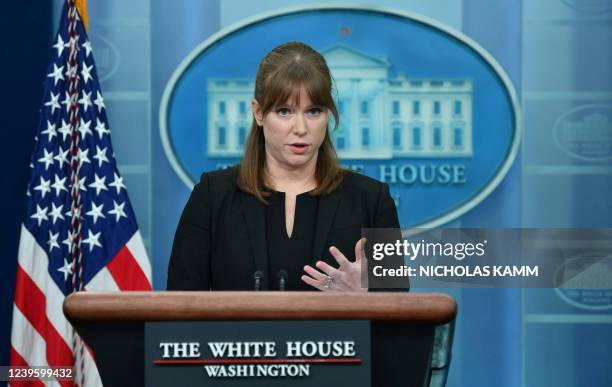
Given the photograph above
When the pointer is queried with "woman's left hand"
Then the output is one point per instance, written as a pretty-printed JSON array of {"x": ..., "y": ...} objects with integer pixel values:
[{"x": 346, "y": 278}]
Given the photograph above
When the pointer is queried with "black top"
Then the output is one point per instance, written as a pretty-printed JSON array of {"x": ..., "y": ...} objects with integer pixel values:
[
  {"x": 290, "y": 253},
  {"x": 221, "y": 239}
]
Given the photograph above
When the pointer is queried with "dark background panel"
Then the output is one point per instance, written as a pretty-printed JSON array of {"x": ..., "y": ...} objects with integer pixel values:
[{"x": 26, "y": 30}]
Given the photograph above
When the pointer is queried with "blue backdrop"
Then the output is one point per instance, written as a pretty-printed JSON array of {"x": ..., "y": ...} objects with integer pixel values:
[{"x": 558, "y": 55}]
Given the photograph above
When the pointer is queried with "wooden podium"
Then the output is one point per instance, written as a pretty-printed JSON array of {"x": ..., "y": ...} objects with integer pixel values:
[{"x": 405, "y": 327}]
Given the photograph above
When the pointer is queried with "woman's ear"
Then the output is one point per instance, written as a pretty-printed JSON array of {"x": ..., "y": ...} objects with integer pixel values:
[{"x": 257, "y": 113}]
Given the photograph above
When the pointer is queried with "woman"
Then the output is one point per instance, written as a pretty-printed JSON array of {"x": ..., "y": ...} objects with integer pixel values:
[{"x": 287, "y": 217}]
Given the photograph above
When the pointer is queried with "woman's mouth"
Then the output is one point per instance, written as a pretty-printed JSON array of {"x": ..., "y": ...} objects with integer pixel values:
[{"x": 298, "y": 147}]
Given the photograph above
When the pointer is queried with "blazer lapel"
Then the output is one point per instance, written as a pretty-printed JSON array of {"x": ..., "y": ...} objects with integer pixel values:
[
  {"x": 254, "y": 216},
  {"x": 328, "y": 204}
]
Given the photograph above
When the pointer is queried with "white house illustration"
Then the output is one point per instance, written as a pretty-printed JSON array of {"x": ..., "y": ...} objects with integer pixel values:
[
  {"x": 594, "y": 128},
  {"x": 380, "y": 118}
]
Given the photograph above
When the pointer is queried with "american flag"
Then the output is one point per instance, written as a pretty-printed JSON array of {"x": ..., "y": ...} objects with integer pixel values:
[{"x": 79, "y": 231}]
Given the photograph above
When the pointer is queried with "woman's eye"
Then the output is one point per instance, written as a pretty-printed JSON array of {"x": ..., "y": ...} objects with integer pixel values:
[
  {"x": 315, "y": 111},
  {"x": 283, "y": 112}
]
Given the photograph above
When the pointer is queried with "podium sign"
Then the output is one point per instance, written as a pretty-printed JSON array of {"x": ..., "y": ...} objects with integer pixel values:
[{"x": 258, "y": 353}]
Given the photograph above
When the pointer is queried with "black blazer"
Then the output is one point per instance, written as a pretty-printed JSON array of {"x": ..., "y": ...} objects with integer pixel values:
[{"x": 220, "y": 240}]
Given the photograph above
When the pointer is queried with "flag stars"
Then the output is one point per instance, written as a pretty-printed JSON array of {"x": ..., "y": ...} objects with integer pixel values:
[
  {"x": 85, "y": 100},
  {"x": 101, "y": 156},
  {"x": 52, "y": 242},
  {"x": 51, "y": 131},
  {"x": 59, "y": 45},
  {"x": 93, "y": 240},
  {"x": 66, "y": 269},
  {"x": 43, "y": 187},
  {"x": 66, "y": 101},
  {"x": 100, "y": 128},
  {"x": 64, "y": 130},
  {"x": 99, "y": 101},
  {"x": 99, "y": 184},
  {"x": 40, "y": 215},
  {"x": 118, "y": 211},
  {"x": 59, "y": 185},
  {"x": 53, "y": 103},
  {"x": 87, "y": 46},
  {"x": 77, "y": 211},
  {"x": 80, "y": 184},
  {"x": 56, "y": 212},
  {"x": 96, "y": 212},
  {"x": 86, "y": 73},
  {"x": 82, "y": 156},
  {"x": 61, "y": 157},
  {"x": 47, "y": 159},
  {"x": 85, "y": 129},
  {"x": 117, "y": 183},
  {"x": 68, "y": 241},
  {"x": 56, "y": 74}
]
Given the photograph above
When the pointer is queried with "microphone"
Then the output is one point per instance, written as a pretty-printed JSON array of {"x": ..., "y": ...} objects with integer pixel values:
[
  {"x": 257, "y": 276},
  {"x": 282, "y": 279}
]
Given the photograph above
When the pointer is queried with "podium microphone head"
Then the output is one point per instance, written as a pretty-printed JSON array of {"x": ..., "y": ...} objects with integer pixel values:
[
  {"x": 282, "y": 279},
  {"x": 258, "y": 276}
]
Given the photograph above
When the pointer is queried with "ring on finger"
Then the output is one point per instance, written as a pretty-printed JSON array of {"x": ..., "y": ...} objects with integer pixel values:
[{"x": 328, "y": 282}]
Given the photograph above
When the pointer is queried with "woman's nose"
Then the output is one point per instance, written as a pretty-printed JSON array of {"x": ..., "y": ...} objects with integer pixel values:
[{"x": 299, "y": 126}]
